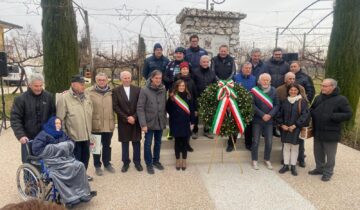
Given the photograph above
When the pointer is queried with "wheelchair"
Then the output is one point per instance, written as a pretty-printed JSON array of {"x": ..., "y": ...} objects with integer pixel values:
[{"x": 33, "y": 181}]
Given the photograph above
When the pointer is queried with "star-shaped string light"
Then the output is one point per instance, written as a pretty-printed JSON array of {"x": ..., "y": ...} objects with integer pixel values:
[
  {"x": 32, "y": 7},
  {"x": 124, "y": 12}
]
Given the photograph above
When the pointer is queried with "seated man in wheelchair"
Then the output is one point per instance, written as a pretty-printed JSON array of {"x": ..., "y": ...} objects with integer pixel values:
[{"x": 55, "y": 148}]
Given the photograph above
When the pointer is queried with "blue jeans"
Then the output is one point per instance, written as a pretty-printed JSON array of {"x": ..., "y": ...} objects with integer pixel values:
[
  {"x": 149, "y": 158},
  {"x": 267, "y": 130}
]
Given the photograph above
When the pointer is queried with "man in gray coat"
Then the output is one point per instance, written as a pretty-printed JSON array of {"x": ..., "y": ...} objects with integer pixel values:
[{"x": 152, "y": 118}]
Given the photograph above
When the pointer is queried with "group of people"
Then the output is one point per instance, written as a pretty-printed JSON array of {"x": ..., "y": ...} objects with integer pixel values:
[
  {"x": 281, "y": 97},
  {"x": 283, "y": 100}
]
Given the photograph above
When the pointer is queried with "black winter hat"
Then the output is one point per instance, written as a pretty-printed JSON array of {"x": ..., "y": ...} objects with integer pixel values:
[
  {"x": 77, "y": 78},
  {"x": 157, "y": 45},
  {"x": 180, "y": 49}
]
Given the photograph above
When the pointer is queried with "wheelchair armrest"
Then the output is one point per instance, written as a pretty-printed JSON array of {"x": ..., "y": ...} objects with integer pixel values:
[{"x": 32, "y": 157}]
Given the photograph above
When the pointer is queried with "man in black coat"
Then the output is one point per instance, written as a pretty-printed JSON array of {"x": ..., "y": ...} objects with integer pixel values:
[
  {"x": 223, "y": 64},
  {"x": 304, "y": 80},
  {"x": 125, "y": 98},
  {"x": 258, "y": 66},
  {"x": 277, "y": 68},
  {"x": 155, "y": 62},
  {"x": 203, "y": 77},
  {"x": 194, "y": 52},
  {"x": 328, "y": 111},
  {"x": 30, "y": 111}
]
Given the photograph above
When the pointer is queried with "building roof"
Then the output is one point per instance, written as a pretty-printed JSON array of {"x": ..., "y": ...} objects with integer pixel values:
[{"x": 9, "y": 25}]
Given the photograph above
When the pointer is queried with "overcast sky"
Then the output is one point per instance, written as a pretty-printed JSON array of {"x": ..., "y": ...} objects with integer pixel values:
[{"x": 118, "y": 22}]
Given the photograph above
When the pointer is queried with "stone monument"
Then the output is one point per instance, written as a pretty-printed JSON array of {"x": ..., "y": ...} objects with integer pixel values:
[{"x": 214, "y": 28}]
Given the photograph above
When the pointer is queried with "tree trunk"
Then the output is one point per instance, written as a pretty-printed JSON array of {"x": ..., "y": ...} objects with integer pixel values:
[
  {"x": 343, "y": 60},
  {"x": 61, "y": 59}
]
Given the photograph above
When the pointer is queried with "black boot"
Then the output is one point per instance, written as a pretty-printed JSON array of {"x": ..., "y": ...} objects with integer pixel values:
[
  {"x": 293, "y": 171},
  {"x": 284, "y": 169}
]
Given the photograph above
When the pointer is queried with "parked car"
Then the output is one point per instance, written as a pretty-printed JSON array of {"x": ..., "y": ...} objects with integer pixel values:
[{"x": 15, "y": 75}]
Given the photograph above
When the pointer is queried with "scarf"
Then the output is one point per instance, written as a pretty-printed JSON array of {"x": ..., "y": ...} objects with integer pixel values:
[
  {"x": 49, "y": 128},
  {"x": 292, "y": 100},
  {"x": 102, "y": 90},
  {"x": 81, "y": 96}
]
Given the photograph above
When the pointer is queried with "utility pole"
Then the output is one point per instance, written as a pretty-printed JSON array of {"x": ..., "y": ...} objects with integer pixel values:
[
  {"x": 303, "y": 49},
  {"x": 87, "y": 27},
  {"x": 276, "y": 37}
]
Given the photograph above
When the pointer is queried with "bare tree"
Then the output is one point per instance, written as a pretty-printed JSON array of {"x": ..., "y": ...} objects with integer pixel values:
[{"x": 25, "y": 50}]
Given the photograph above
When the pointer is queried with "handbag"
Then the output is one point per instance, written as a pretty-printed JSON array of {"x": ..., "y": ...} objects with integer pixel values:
[{"x": 307, "y": 131}]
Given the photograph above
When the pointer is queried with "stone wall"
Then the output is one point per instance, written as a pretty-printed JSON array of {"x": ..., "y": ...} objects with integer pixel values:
[{"x": 214, "y": 28}]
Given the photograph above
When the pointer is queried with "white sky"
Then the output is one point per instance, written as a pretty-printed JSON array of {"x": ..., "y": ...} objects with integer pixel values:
[{"x": 118, "y": 22}]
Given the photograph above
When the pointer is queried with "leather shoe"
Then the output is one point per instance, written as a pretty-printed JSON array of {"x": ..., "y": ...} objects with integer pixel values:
[
  {"x": 302, "y": 164},
  {"x": 139, "y": 167},
  {"x": 158, "y": 166},
  {"x": 125, "y": 168},
  {"x": 325, "y": 178},
  {"x": 190, "y": 149},
  {"x": 315, "y": 172},
  {"x": 284, "y": 169},
  {"x": 110, "y": 169},
  {"x": 150, "y": 170},
  {"x": 229, "y": 148},
  {"x": 293, "y": 171},
  {"x": 209, "y": 135},
  {"x": 98, "y": 171}
]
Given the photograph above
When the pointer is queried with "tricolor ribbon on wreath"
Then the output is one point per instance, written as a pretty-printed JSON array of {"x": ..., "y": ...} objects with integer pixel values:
[{"x": 226, "y": 96}]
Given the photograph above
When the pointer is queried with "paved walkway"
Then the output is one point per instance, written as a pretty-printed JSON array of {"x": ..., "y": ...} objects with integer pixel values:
[{"x": 223, "y": 188}]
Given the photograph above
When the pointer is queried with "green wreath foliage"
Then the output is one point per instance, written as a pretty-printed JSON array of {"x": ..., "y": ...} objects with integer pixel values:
[{"x": 208, "y": 104}]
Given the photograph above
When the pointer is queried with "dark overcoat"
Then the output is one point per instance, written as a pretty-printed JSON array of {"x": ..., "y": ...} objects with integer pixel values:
[
  {"x": 293, "y": 114},
  {"x": 179, "y": 120},
  {"x": 124, "y": 108},
  {"x": 328, "y": 112}
]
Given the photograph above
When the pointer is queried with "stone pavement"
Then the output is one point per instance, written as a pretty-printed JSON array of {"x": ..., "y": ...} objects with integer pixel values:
[{"x": 223, "y": 188}]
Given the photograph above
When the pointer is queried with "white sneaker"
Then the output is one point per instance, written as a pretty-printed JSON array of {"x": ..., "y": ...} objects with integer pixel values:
[
  {"x": 268, "y": 164},
  {"x": 255, "y": 165}
]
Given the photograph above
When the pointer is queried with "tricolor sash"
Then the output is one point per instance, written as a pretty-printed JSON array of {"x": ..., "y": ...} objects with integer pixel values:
[
  {"x": 262, "y": 96},
  {"x": 182, "y": 104},
  {"x": 226, "y": 95}
]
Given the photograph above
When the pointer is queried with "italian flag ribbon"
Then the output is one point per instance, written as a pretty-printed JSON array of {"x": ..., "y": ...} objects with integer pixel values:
[
  {"x": 182, "y": 104},
  {"x": 226, "y": 96},
  {"x": 262, "y": 96}
]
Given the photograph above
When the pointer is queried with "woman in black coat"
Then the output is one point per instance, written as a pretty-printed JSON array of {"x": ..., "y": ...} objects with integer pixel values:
[
  {"x": 293, "y": 115},
  {"x": 191, "y": 87},
  {"x": 180, "y": 107}
]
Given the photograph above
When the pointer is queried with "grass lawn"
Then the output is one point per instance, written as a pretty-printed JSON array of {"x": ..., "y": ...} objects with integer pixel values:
[{"x": 9, "y": 99}]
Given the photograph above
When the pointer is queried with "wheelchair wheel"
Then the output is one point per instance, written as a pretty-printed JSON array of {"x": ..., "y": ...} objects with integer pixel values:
[{"x": 29, "y": 182}]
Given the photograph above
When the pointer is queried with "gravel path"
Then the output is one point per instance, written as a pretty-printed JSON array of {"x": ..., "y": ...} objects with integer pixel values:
[{"x": 224, "y": 188}]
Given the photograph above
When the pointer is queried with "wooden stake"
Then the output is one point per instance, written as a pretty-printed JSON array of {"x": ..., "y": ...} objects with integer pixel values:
[
  {"x": 232, "y": 139},
  {"x": 213, "y": 153}
]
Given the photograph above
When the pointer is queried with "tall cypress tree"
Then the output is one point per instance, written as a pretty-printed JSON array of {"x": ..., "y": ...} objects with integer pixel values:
[
  {"x": 61, "y": 59},
  {"x": 343, "y": 59}
]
